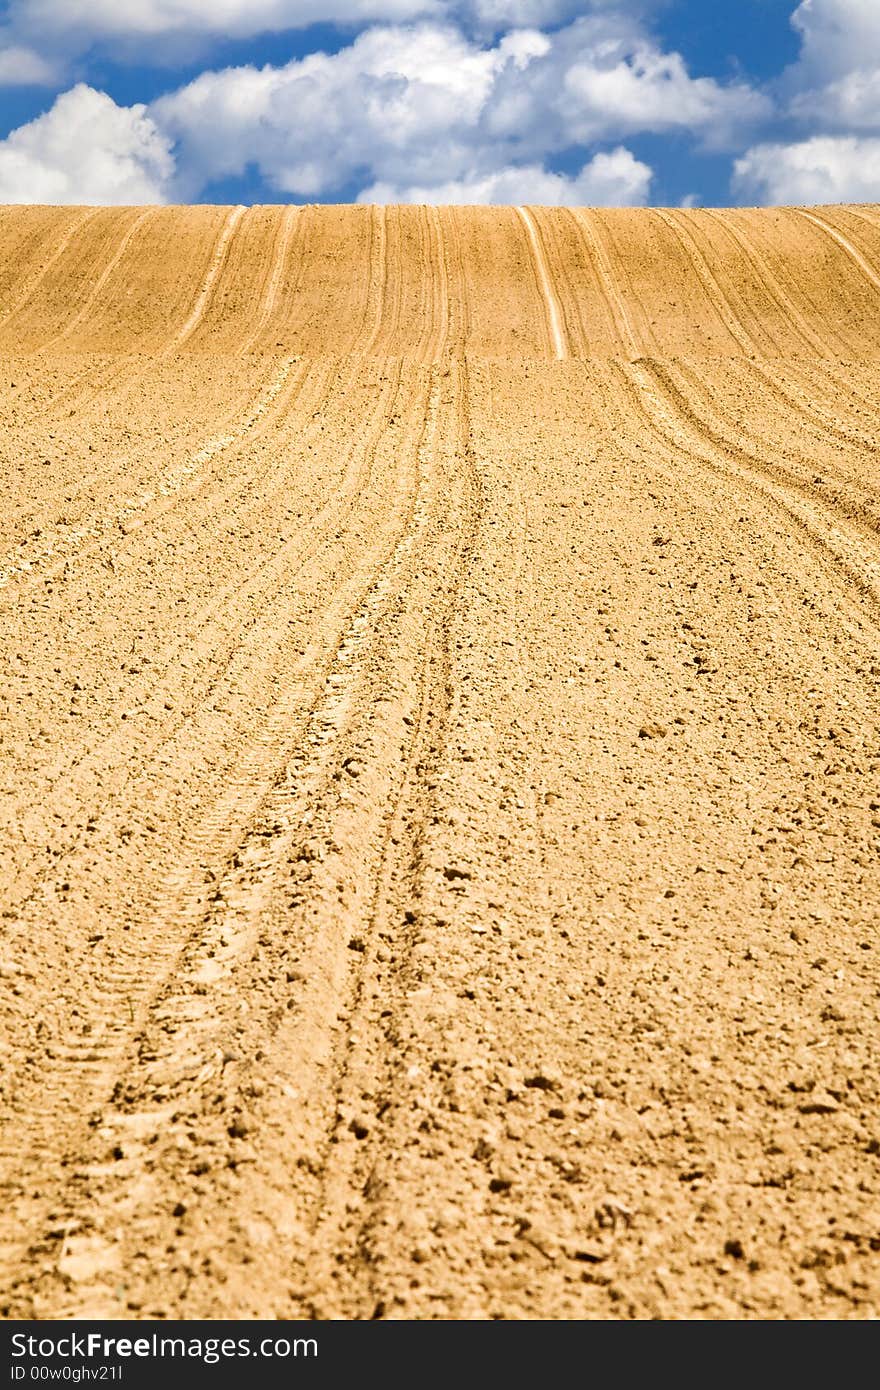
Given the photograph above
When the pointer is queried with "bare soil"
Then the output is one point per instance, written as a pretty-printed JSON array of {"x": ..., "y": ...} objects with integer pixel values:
[{"x": 439, "y": 763}]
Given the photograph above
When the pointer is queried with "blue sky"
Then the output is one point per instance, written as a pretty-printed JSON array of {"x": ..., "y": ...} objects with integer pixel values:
[{"x": 545, "y": 101}]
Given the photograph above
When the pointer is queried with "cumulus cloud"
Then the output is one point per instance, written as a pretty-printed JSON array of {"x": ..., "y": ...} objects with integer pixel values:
[
  {"x": 420, "y": 106},
  {"x": 602, "y": 79},
  {"x": 824, "y": 169},
  {"x": 835, "y": 83},
  {"x": 86, "y": 149},
  {"x": 852, "y": 102},
  {"x": 412, "y": 108},
  {"x": 646, "y": 89},
  {"x": 837, "y": 35},
  {"x": 615, "y": 179},
  {"x": 397, "y": 103},
  {"x": 829, "y": 97}
]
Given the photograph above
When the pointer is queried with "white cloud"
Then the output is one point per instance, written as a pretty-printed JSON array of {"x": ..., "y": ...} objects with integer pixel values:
[
  {"x": 603, "y": 79},
  {"x": 511, "y": 14},
  {"x": 404, "y": 104},
  {"x": 825, "y": 169},
  {"x": 22, "y": 67},
  {"x": 413, "y": 107},
  {"x": 226, "y": 18},
  {"x": 831, "y": 95},
  {"x": 86, "y": 149},
  {"x": 616, "y": 179},
  {"x": 837, "y": 35},
  {"x": 835, "y": 83},
  {"x": 152, "y": 19},
  {"x": 420, "y": 106},
  {"x": 852, "y": 102},
  {"x": 645, "y": 89}
]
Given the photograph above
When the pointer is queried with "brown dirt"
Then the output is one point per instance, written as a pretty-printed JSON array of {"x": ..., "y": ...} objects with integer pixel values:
[{"x": 440, "y": 799}]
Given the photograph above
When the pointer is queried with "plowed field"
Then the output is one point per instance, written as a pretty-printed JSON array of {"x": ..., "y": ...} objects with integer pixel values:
[{"x": 439, "y": 762}]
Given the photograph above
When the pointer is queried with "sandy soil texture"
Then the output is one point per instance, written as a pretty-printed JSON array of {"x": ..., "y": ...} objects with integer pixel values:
[{"x": 439, "y": 763}]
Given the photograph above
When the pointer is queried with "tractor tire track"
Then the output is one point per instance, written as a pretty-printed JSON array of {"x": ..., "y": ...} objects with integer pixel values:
[{"x": 542, "y": 275}]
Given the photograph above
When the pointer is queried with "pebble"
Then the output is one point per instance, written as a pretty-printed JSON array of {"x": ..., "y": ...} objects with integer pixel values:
[
  {"x": 502, "y": 1181},
  {"x": 819, "y": 1105},
  {"x": 451, "y": 872},
  {"x": 541, "y": 1082}
]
